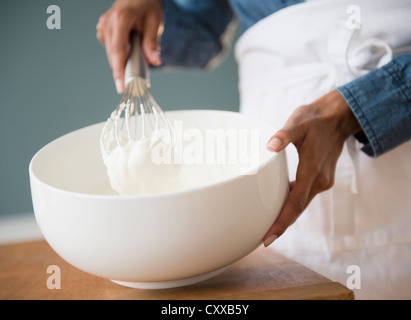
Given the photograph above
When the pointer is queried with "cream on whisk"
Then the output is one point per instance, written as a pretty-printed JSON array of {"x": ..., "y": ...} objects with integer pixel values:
[
  {"x": 132, "y": 168},
  {"x": 133, "y": 131}
]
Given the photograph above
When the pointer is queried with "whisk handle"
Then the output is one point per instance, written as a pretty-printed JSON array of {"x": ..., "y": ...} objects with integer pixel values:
[{"x": 136, "y": 64}]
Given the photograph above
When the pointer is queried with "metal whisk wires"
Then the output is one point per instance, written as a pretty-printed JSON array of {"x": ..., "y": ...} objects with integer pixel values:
[{"x": 138, "y": 115}]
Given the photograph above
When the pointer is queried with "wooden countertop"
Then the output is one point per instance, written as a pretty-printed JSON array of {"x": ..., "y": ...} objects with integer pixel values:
[{"x": 263, "y": 274}]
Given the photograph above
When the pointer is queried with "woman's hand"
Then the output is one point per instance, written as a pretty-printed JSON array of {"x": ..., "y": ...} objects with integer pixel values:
[
  {"x": 318, "y": 131},
  {"x": 114, "y": 28}
]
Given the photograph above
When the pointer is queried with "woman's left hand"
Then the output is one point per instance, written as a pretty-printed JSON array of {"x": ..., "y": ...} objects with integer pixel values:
[{"x": 318, "y": 131}]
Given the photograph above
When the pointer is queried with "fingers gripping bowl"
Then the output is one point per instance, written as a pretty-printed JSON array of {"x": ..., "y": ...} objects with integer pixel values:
[{"x": 167, "y": 239}]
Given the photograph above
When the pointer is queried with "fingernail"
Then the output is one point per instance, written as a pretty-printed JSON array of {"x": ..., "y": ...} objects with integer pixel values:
[
  {"x": 274, "y": 144},
  {"x": 270, "y": 240},
  {"x": 119, "y": 86},
  {"x": 156, "y": 57}
]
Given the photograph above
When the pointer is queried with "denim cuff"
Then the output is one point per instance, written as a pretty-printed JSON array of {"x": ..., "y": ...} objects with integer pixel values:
[{"x": 381, "y": 101}]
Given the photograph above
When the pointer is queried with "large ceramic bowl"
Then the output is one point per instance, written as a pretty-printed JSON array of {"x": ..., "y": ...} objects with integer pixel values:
[{"x": 159, "y": 240}]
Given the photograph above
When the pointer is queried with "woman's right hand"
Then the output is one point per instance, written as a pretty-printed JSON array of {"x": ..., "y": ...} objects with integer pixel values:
[{"x": 114, "y": 28}]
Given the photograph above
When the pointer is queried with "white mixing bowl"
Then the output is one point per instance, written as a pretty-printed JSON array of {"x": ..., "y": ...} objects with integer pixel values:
[{"x": 158, "y": 240}]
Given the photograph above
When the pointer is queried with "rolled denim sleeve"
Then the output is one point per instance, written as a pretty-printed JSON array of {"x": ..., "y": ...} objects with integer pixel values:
[
  {"x": 193, "y": 32},
  {"x": 381, "y": 101}
]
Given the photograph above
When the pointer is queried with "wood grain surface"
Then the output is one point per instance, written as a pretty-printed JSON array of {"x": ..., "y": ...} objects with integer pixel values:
[{"x": 263, "y": 274}]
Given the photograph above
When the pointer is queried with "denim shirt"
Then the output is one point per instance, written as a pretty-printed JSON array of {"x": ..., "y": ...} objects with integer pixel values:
[{"x": 381, "y": 100}]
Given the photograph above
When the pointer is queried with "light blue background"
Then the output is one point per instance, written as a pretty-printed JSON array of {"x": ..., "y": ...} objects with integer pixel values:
[{"x": 56, "y": 81}]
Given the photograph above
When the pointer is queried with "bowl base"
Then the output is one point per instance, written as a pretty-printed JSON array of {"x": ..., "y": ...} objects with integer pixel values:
[{"x": 172, "y": 283}]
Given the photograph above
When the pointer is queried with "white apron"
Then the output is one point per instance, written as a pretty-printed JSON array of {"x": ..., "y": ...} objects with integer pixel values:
[{"x": 292, "y": 58}]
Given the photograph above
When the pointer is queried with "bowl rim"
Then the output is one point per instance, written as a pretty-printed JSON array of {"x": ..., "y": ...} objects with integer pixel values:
[{"x": 33, "y": 176}]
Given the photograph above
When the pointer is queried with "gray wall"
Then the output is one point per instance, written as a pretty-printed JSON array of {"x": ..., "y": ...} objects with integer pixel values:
[{"x": 55, "y": 81}]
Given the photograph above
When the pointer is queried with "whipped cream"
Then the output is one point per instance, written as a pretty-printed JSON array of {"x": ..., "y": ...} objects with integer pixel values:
[
  {"x": 153, "y": 164},
  {"x": 132, "y": 169}
]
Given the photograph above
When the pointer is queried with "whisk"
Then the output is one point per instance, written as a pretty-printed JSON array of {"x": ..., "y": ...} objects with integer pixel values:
[{"x": 138, "y": 115}]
